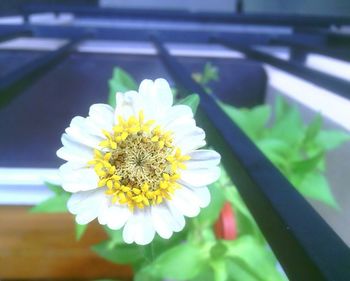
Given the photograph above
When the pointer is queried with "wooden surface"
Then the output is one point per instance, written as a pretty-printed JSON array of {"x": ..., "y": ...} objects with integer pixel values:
[{"x": 43, "y": 246}]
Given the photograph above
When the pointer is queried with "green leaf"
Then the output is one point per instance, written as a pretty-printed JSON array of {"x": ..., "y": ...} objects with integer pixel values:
[
  {"x": 55, "y": 204},
  {"x": 121, "y": 253},
  {"x": 197, "y": 77},
  {"x": 287, "y": 125},
  {"x": 210, "y": 73},
  {"x": 209, "y": 215},
  {"x": 328, "y": 140},
  {"x": 218, "y": 250},
  {"x": 207, "y": 274},
  {"x": 181, "y": 262},
  {"x": 238, "y": 271},
  {"x": 254, "y": 258},
  {"x": 245, "y": 221},
  {"x": 219, "y": 269},
  {"x": 116, "y": 236},
  {"x": 121, "y": 81},
  {"x": 252, "y": 121},
  {"x": 307, "y": 165},
  {"x": 313, "y": 129},
  {"x": 80, "y": 229},
  {"x": 276, "y": 150},
  {"x": 315, "y": 186},
  {"x": 146, "y": 274},
  {"x": 281, "y": 107},
  {"x": 191, "y": 101},
  {"x": 57, "y": 189}
]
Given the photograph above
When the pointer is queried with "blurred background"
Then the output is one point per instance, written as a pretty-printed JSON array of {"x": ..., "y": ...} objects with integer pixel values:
[
  {"x": 309, "y": 7},
  {"x": 56, "y": 58}
]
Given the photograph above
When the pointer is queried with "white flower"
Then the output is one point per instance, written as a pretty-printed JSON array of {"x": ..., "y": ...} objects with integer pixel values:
[{"x": 138, "y": 166}]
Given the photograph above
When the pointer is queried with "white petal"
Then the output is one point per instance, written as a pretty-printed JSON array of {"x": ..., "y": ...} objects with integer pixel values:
[
  {"x": 83, "y": 137},
  {"x": 102, "y": 216},
  {"x": 102, "y": 115},
  {"x": 65, "y": 154},
  {"x": 181, "y": 122},
  {"x": 128, "y": 231},
  {"x": 163, "y": 92},
  {"x": 73, "y": 150},
  {"x": 128, "y": 104},
  {"x": 163, "y": 221},
  {"x": 189, "y": 139},
  {"x": 200, "y": 177},
  {"x": 144, "y": 228},
  {"x": 86, "y": 217},
  {"x": 202, "y": 194},
  {"x": 139, "y": 228},
  {"x": 146, "y": 88},
  {"x": 158, "y": 94},
  {"x": 176, "y": 112},
  {"x": 71, "y": 165},
  {"x": 86, "y": 125},
  {"x": 87, "y": 205},
  {"x": 186, "y": 202},
  {"x": 203, "y": 158},
  {"x": 84, "y": 131},
  {"x": 117, "y": 216},
  {"x": 179, "y": 220},
  {"x": 77, "y": 179}
]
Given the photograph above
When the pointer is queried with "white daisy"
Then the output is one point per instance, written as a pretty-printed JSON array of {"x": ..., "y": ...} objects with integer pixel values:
[{"x": 138, "y": 166}]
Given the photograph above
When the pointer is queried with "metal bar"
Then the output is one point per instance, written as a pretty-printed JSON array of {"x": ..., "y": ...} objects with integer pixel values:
[
  {"x": 13, "y": 34},
  {"x": 332, "y": 37},
  {"x": 12, "y": 83},
  {"x": 305, "y": 245},
  {"x": 334, "y": 84},
  {"x": 292, "y": 42},
  {"x": 268, "y": 19}
]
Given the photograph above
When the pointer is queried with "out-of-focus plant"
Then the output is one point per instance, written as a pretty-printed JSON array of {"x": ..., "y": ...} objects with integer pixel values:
[
  {"x": 209, "y": 74},
  {"x": 198, "y": 253},
  {"x": 297, "y": 149}
]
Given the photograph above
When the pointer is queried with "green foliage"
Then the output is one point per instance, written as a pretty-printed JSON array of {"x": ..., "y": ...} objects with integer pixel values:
[
  {"x": 245, "y": 222},
  {"x": 191, "y": 101},
  {"x": 298, "y": 150},
  {"x": 246, "y": 253},
  {"x": 209, "y": 215},
  {"x": 121, "y": 81},
  {"x": 120, "y": 253},
  {"x": 80, "y": 230},
  {"x": 210, "y": 73},
  {"x": 181, "y": 262},
  {"x": 55, "y": 204}
]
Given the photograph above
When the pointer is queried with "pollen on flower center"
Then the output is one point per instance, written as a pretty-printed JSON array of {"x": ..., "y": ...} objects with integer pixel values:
[{"x": 138, "y": 163}]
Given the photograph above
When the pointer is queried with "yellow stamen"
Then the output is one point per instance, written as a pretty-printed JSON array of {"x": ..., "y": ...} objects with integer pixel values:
[{"x": 138, "y": 163}]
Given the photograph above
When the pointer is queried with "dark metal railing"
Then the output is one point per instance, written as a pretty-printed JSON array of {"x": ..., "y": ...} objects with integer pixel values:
[
  {"x": 5, "y": 36},
  {"x": 290, "y": 41},
  {"x": 302, "y": 241},
  {"x": 15, "y": 81},
  {"x": 185, "y": 15},
  {"x": 332, "y": 83}
]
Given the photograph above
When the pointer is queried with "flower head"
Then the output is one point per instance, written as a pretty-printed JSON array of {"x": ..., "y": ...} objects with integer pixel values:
[{"x": 138, "y": 166}]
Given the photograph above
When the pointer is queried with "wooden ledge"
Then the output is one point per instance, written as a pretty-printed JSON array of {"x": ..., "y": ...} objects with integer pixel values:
[{"x": 43, "y": 246}]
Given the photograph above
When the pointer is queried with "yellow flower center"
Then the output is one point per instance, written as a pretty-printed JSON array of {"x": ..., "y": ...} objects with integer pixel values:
[{"x": 138, "y": 163}]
